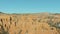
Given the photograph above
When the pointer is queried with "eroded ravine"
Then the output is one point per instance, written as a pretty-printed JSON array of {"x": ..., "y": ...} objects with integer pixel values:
[{"x": 29, "y": 24}]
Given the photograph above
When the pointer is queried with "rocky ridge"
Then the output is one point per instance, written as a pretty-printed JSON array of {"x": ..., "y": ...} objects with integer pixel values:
[{"x": 39, "y": 23}]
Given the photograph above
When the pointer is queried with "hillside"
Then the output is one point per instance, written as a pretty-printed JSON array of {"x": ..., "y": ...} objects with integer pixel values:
[{"x": 38, "y": 23}]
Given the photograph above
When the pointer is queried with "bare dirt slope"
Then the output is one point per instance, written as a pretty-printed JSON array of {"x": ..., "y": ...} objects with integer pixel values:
[{"x": 41, "y": 23}]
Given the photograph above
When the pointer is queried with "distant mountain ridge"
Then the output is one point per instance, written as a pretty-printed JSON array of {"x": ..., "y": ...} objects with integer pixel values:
[{"x": 32, "y": 13}]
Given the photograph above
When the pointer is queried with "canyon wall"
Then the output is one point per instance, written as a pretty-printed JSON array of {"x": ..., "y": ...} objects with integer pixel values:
[{"x": 43, "y": 23}]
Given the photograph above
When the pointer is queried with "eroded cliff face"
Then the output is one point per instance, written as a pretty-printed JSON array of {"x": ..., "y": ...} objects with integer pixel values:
[{"x": 30, "y": 24}]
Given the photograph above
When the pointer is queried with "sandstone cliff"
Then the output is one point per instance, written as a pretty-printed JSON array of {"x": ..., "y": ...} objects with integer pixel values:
[{"x": 41, "y": 23}]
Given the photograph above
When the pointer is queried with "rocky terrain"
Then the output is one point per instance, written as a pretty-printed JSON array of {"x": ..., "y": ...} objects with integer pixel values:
[{"x": 38, "y": 23}]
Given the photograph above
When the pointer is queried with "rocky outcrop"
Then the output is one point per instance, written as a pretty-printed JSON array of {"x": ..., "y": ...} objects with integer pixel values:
[{"x": 30, "y": 23}]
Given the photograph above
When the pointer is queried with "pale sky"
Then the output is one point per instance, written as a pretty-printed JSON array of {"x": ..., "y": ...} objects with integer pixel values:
[{"x": 29, "y": 6}]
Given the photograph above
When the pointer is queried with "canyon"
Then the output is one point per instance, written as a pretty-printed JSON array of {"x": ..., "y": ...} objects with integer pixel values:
[{"x": 37, "y": 23}]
